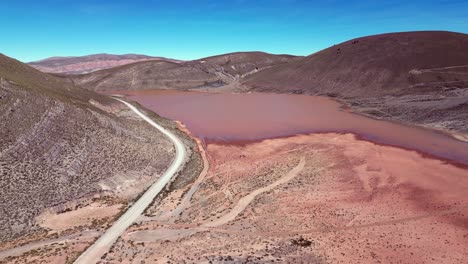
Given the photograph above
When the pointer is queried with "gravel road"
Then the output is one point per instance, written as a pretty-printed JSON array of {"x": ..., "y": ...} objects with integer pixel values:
[{"x": 94, "y": 253}]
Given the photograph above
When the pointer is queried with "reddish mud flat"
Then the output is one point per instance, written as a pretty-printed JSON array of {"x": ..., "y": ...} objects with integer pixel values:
[
  {"x": 353, "y": 201},
  {"x": 217, "y": 117}
]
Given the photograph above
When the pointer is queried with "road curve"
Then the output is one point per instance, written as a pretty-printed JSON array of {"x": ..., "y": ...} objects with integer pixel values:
[{"x": 94, "y": 253}]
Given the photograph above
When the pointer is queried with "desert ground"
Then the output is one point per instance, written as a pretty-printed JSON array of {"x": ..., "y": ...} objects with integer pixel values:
[
  {"x": 62, "y": 232},
  {"x": 369, "y": 164},
  {"x": 319, "y": 198},
  {"x": 304, "y": 198},
  {"x": 71, "y": 162}
]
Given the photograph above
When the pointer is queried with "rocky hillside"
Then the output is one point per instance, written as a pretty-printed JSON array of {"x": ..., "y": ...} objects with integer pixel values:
[
  {"x": 213, "y": 72},
  {"x": 90, "y": 63},
  {"x": 420, "y": 77},
  {"x": 60, "y": 143},
  {"x": 376, "y": 65},
  {"x": 241, "y": 64}
]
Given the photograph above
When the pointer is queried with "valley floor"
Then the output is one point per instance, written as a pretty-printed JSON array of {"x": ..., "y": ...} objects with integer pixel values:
[
  {"x": 316, "y": 198},
  {"x": 323, "y": 198}
]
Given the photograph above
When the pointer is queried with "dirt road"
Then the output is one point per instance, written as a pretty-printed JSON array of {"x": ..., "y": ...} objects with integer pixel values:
[
  {"x": 103, "y": 244},
  {"x": 246, "y": 200}
]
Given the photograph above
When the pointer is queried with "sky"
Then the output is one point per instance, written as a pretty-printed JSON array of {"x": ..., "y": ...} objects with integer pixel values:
[{"x": 192, "y": 29}]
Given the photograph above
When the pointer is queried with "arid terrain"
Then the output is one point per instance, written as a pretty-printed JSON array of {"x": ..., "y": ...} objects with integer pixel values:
[
  {"x": 324, "y": 198},
  {"x": 70, "y": 160},
  {"x": 90, "y": 63},
  {"x": 311, "y": 198},
  {"x": 354, "y": 154},
  {"x": 221, "y": 72}
]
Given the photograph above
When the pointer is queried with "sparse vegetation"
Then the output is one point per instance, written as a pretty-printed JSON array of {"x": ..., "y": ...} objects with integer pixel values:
[
  {"x": 57, "y": 147},
  {"x": 302, "y": 242}
]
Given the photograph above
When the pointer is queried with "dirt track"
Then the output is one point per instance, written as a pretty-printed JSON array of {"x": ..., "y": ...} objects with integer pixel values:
[
  {"x": 352, "y": 202},
  {"x": 246, "y": 200},
  {"x": 103, "y": 244}
]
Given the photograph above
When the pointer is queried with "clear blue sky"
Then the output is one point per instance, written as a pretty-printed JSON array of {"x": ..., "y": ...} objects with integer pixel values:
[{"x": 183, "y": 29}]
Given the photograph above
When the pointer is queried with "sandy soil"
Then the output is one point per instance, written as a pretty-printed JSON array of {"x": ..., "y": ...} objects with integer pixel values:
[
  {"x": 352, "y": 202},
  {"x": 54, "y": 152},
  {"x": 80, "y": 217},
  {"x": 65, "y": 228},
  {"x": 181, "y": 197},
  {"x": 55, "y": 250},
  {"x": 319, "y": 198}
]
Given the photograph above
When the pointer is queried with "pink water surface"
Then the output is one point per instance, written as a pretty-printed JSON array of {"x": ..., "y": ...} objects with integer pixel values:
[{"x": 255, "y": 116}]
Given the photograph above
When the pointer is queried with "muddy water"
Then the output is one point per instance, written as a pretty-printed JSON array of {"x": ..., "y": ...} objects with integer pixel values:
[{"x": 245, "y": 117}]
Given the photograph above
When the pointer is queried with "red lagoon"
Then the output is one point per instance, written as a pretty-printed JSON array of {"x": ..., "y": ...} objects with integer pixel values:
[{"x": 233, "y": 118}]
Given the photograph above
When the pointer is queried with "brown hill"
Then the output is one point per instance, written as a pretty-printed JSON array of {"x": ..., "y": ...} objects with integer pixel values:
[
  {"x": 150, "y": 75},
  {"x": 60, "y": 143},
  {"x": 375, "y": 65},
  {"x": 422, "y": 74},
  {"x": 90, "y": 63},
  {"x": 240, "y": 64},
  {"x": 212, "y": 72}
]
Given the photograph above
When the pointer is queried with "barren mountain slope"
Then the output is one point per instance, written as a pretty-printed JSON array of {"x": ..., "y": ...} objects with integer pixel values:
[
  {"x": 149, "y": 75},
  {"x": 60, "y": 143},
  {"x": 419, "y": 77},
  {"x": 240, "y": 64},
  {"x": 213, "y": 72},
  {"x": 90, "y": 63}
]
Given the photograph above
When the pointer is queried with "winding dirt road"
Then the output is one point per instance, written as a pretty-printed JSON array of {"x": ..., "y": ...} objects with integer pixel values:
[
  {"x": 246, "y": 200},
  {"x": 103, "y": 244}
]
